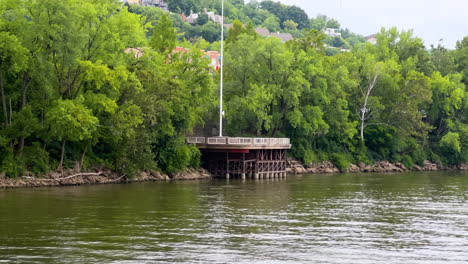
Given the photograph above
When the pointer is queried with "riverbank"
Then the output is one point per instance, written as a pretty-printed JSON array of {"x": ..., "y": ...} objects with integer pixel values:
[
  {"x": 72, "y": 177},
  {"x": 296, "y": 167}
]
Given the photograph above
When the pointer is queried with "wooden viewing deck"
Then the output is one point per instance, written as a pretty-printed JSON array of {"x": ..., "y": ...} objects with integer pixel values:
[
  {"x": 243, "y": 156},
  {"x": 239, "y": 142}
]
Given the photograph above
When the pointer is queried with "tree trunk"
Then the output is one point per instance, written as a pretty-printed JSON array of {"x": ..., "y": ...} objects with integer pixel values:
[
  {"x": 82, "y": 159},
  {"x": 364, "y": 109},
  {"x": 26, "y": 82},
  {"x": 4, "y": 104},
  {"x": 20, "y": 145},
  {"x": 11, "y": 112},
  {"x": 60, "y": 166}
]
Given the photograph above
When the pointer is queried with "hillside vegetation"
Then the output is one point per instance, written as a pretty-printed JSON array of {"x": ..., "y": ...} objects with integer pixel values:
[{"x": 74, "y": 93}]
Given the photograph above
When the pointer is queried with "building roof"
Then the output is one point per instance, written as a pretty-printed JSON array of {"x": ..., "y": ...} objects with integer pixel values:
[
  {"x": 263, "y": 31},
  {"x": 283, "y": 36}
]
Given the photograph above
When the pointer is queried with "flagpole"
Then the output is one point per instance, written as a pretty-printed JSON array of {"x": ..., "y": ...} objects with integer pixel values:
[{"x": 221, "y": 112}]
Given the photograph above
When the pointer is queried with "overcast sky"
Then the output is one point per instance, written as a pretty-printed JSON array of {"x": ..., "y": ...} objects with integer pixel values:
[{"x": 431, "y": 20}]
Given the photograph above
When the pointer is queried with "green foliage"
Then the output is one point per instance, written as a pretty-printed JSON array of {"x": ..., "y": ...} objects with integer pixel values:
[
  {"x": 340, "y": 161},
  {"x": 451, "y": 148},
  {"x": 11, "y": 165},
  {"x": 175, "y": 155},
  {"x": 164, "y": 36},
  {"x": 36, "y": 159},
  {"x": 289, "y": 24},
  {"x": 407, "y": 161},
  {"x": 272, "y": 23},
  {"x": 70, "y": 120},
  {"x": 202, "y": 19},
  {"x": 461, "y": 58},
  {"x": 99, "y": 83}
]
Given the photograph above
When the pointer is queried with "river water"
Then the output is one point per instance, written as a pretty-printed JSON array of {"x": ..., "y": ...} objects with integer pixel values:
[{"x": 359, "y": 218}]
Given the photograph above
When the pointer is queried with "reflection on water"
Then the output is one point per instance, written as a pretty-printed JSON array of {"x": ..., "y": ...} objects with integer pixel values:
[{"x": 369, "y": 218}]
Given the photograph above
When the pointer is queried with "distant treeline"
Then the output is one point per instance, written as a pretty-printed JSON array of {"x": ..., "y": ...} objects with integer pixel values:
[{"x": 75, "y": 92}]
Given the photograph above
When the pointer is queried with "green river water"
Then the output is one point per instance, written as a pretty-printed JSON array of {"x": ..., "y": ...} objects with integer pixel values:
[{"x": 358, "y": 218}]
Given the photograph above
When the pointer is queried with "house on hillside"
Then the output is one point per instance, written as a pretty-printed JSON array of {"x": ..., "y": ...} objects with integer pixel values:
[
  {"x": 372, "y": 39},
  {"x": 213, "y": 17},
  {"x": 215, "y": 59},
  {"x": 133, "y": 2},
  {"x": 266, "y": 33},
  {"x": 263, "y": 31},
  {"x": 155, "y": 3},
  {"x": 331, "y": 32},
  {"x": 192, "y": 18},
  {"x": 283, "y": 36},
  {"x": 183, "y": 17}
]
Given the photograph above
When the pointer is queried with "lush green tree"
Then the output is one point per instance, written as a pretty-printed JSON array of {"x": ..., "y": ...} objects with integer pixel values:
[
  {"x": 70, "y": 120},
  {"x": 164, "y": 36},
  {"x": 202, "y": 19},
  {"x": 296, "y": 14},
  {"x": 333, "y": 23},
  {"x": 442, "y": 60},
  {"x": 461, "y": 58},
  {"x": 272, "y": 23},
  {"x": 319, "y": 23},
  {"x": 186, "y": 6},
  {"x": 290, "y": 25}
]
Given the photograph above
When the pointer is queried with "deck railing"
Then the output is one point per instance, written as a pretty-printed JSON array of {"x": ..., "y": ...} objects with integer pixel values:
[
  {"x": 238, "y": 141},
  {"x": 196, "y": 140}
]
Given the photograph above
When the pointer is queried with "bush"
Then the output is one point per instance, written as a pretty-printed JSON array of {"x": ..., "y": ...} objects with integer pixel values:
[
  {"x": 195, "y": 157},
  {"x": 340, "y": 161},
  {"x": 10, "y": 165},
  {"x": 419, "y": 156},
  {"x": 310, "y": 157},
  {"x": 36, "y": 159},
  {"x": 407, "y": 161},
  {"x": 451, "y": 148}
]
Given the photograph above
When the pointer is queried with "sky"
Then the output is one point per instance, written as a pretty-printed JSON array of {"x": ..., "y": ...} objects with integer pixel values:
[{"x": 431, "y": 20}]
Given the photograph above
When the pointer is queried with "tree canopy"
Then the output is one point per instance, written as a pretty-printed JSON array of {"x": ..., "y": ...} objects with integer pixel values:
[{"x": 98, "y": 83}]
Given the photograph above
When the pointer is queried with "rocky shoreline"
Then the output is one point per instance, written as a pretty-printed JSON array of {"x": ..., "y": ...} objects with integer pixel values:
[
  {"x": 72, "y": 177},
  {"x": 296, "y": 167}
]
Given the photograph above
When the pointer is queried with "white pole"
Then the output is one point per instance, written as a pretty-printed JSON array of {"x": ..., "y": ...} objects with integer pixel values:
[{"x": 221, "y": 112}]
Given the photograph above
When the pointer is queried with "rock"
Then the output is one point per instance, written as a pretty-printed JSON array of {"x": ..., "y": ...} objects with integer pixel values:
[
  {"x": 353, "y": 168},
  {"x": 378, "y": 169},
  {"x": 189, "y": 175},
  {"x": 299, "y": 170},
  {"x": 362, "y": 165},
  {"x": 383, "y": 164},
  {"x": 417, "y": 168},
  {"x": 144, "y": 176},
  {"x": 401, "y": 166},
  {"x": 328, "y": 170}
]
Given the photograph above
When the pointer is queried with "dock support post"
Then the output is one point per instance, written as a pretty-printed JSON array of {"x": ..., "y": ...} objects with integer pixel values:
[
  {"x": 255, "y": 175},
  {"x": 228, "y": 176},
  {"x": 243, "y": 176}
]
